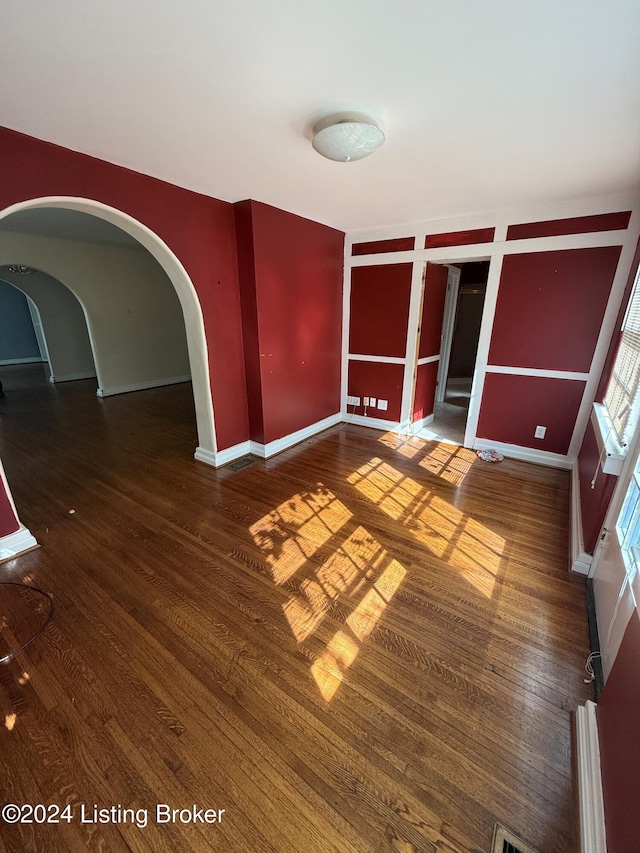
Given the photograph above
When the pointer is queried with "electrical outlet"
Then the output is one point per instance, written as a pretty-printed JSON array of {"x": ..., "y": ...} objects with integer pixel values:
[
  {"x": 366, "y": 401},
  {"x": 372, "y": 402},
  {"x": 540, "y": 432},
  {"x": 353, "y": 401},
  {"x": 382, "y": 405}
]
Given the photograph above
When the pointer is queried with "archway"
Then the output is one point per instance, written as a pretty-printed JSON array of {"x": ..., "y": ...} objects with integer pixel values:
[{"x": 185, "y": 291}]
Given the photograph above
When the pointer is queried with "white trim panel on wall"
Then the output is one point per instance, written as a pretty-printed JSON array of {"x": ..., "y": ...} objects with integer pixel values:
[
  {"x": 535, "y": 371},
  {"x": 382, "y": 359}
]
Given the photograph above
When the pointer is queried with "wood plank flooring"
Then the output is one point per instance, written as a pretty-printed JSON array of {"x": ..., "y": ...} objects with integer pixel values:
[{"x": 362, "y": 644}]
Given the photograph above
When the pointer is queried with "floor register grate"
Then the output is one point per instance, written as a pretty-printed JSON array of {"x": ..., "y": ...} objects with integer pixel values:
[
  {"x": 504, "y": 841},
  {"x": 239, "y": 464}
]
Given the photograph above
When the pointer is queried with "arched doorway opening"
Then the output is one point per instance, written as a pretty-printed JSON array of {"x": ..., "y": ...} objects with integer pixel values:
[{"x": 185, "y": 291}]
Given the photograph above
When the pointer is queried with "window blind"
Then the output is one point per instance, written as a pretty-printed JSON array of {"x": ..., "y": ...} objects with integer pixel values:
[{"x": 622, "y": 397}]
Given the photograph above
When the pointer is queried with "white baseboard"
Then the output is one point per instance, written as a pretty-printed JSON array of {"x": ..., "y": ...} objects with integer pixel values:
[
  {"x": 591, "y": 802},
  {"x": 222, "y": 457},
  {"x": 265, "y": 451},
  {"x": 580, "y": 560},
  {"x": 525, "y": 454},
  {"x": 141, "y": 386},
  {"x": 403, "y": 428},
  {"x": 16, "y": 543},
  {"x": 423, "y": 422},
  {"x": 32, "y": 360},
  {"x": 71, "y": 377}
]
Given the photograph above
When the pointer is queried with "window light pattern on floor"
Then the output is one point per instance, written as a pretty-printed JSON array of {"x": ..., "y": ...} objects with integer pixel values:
[{"x": 330, "y": 568}]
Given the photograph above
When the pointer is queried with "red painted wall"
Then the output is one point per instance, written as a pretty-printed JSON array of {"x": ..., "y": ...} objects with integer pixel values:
[
  {"x": 619, "y": 736},
  {"x": 379, "y": 310},
  {"x": 435, "y": 293},
  {"x": 374, "y": 247},
  {"x": 380, "y": 380},
  {"x": 8, "y": 521},
  {"x": 291, "y": 272},
  {"x": 198, "y": 229},
  {"x": 575, "y": 225},
  {"x": 250, "y": 326},
  {"x": 512, "y": 407},
  {"x": 459, "y": 238},
  {"x": 550, "y": 308},
  {"x": 425, "y": 393},
  {"x": 594, "y": 503}
]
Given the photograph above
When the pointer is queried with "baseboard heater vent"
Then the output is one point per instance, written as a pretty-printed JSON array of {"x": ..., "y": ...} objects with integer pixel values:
[
  {"x": 504, "y": 841},
  {"x": 239, "y": 464}
]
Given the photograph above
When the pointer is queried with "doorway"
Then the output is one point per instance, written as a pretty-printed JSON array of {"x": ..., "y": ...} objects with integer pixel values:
[{"x": 459, "y": 337}]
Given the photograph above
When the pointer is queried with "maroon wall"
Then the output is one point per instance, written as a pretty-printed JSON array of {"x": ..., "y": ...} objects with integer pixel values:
[
  {"x": 619, "y": 736},
  {"x": 8, "y": 521},
  {"x": 250, "y": 326},
  {"x": 198, "y": 229},
  {"x": 380, "y": 380},
  {"x": 398, "y": 244},
  {"x": 379, "y": 310},
  {"x": 459, "y": 238},
  {"x": 291, "y": 272},
  {"x": 512, "y": 407},
  {"x": 435, "y": 293},
  {"x": 575, "y": 225},
  {"x": 594, "y": 502},
  {"x": 425, "y": 391},
  {"x": 550, "y": 308}
]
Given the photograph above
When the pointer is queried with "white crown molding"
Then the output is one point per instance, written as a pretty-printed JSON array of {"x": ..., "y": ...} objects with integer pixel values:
[{"x": 16, "y": 543}]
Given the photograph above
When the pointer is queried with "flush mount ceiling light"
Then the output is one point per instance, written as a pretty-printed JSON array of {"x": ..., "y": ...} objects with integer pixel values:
[
  {"x": 21, "y": 269},
  {"x": 346, "y": 136}
]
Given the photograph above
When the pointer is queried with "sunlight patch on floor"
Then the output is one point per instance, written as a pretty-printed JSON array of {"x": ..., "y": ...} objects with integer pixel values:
[
  {"x": 292, "y": 534},
  {"x": 407, "y": 446},
  {"x": 328, "y": 670},
  {"x": 364, "y": 618},
  {"x": 293, "y": 531},
  {"x": 464, "y": 543},
  {"x": 449, "y": 462}
]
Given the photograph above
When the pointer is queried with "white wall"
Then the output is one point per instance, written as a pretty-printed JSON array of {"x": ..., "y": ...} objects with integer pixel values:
[
  {"x": 63, "y": 324},
  {"x": 18, "y": 342},
  {"x": 133, "y": 314}
]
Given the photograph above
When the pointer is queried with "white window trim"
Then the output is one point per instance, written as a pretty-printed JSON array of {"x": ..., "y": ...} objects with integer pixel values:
[{"x": 612, "y": 453}]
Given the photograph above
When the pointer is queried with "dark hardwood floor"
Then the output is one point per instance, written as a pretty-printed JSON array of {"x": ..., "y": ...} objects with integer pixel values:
[{"x": 362, "y": 644}]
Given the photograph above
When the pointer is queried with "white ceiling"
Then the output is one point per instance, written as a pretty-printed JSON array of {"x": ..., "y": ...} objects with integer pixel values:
[
  {"x": 67, "y": 224},
  {"x": 486, "y": 104}
]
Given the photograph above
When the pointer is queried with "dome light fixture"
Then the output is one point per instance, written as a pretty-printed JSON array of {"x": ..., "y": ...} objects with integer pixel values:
[
  {"x": 21, "y": 269},
  {"x": 346, "y": 136}
]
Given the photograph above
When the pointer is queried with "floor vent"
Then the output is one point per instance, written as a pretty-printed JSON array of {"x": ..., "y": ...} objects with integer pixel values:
[
  {"x": 504, "y": 841},
  {"x": 239, "y": 464}
]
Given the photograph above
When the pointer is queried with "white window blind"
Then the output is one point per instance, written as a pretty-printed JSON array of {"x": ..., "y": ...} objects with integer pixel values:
[{"x": 622, "y": 398}]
